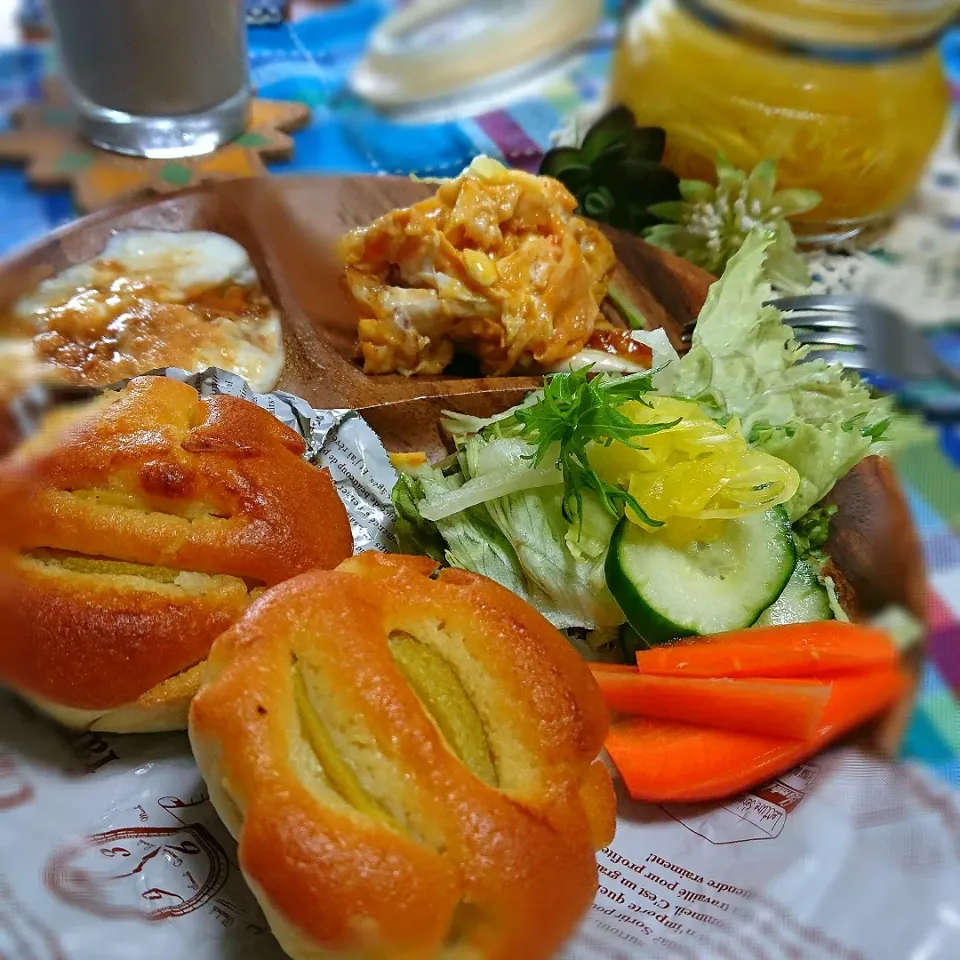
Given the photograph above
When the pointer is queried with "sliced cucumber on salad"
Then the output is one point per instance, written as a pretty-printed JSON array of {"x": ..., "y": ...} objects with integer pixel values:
[
  {"x": 668, "y": 592},
  {"x": 804, "y": 600}
]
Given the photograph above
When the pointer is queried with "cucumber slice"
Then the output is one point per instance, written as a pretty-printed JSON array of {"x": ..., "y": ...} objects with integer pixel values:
[
  {"x": 803, "y": 600},
  {"x": 668, "y": 592}
]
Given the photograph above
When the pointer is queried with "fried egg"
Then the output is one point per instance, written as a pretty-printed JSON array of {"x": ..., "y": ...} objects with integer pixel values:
[{"x": 154, "y": 299}]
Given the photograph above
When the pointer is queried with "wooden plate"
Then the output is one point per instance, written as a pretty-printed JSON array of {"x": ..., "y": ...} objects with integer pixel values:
[{"x": 290, "y": 227}]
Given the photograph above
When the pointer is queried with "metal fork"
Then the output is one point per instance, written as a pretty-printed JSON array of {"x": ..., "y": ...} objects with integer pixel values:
[
  {"x": 869, "y": 337},
  {"x": 863, "y": 335}
]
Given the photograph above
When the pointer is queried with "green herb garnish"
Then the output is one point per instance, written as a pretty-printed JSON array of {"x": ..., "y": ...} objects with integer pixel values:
[
  {"x": 620, "y": 299},
  {"x": 575, "y": 410},
  {"x": 879, "y": 430},
  {"x": 811, "y": 532}
]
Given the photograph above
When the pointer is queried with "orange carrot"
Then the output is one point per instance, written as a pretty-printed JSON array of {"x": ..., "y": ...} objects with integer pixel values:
[
  {"x": 664, "y": 761},
  {"x": 794, "y": 650},
  {"x": 776, "y": 708}
]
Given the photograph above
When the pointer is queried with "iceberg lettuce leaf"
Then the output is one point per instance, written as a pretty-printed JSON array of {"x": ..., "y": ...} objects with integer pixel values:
[
  {"x": 473, "y": 541},
  {"x": 534, "y": 524},
  {"x": 520, "y": 539},
  {"x": 414, "y": 534},
  {"x": 507, "y": 468}
]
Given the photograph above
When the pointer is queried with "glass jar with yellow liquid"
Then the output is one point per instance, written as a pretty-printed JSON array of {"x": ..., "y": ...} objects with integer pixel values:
[{"x": 847, "y": 95}]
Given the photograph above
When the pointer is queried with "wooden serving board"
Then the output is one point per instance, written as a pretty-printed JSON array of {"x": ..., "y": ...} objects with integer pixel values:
[{"x": 290, "y": 227}]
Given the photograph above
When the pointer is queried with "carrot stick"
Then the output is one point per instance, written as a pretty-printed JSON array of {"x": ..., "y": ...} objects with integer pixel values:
[
  {"x": 613, "y": 667},
  {"x": 665, "y": 761},
  {"x": 776, "y": 708},
  {"x": 793, "y": 650}
]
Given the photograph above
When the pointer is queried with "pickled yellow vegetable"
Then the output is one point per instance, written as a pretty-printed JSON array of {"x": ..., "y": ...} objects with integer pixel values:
[
  {"x": 858, "y": 133},
  {"x": 694, "y": 475}
]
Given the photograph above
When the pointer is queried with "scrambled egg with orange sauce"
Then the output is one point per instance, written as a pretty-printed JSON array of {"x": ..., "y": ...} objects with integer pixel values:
[{"x": 495, "y": 264}]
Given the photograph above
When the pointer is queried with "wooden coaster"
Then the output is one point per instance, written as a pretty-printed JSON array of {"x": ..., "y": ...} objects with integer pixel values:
[{"x": 45, "y": 137}]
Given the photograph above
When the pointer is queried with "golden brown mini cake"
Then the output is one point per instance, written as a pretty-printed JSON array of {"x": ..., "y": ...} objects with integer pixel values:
[
  {"x": 409, "y": 762},
  {"x": 139, "y": 529}
]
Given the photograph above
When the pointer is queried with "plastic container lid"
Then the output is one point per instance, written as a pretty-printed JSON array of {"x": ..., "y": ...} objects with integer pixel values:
[{"x": 433, "y": 50}]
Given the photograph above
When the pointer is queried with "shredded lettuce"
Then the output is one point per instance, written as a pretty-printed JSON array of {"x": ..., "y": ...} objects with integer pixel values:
[
  {"x": 534, "y": 524},
  {"x": 589, "y": 535},
  {"x": 833, "y": 598},
  {"x": 663, "y": 360},
  {"x": 415, "y": 535},
  {"x": 463, "y": 424},
  {"x": 745, "y": 362},
  {"x": 472, "y": 538},
  {"x": 901, "y": 626},
  {"x": 520, "y": 539},
  {"x": 501, "y": 467}
]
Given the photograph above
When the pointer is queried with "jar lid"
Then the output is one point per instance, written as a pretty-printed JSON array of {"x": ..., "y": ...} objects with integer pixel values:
[
  {"x": 434, "y": 49},
  {"x": 852, "y": 22}
]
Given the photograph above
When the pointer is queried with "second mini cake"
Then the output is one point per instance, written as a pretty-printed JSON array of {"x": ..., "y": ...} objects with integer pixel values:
[
  {"x": 408, "y": 759},
  {"x": 136, "y": 530}
]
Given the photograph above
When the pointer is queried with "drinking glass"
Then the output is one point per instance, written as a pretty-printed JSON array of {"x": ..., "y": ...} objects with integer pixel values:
[{"x": 155, "y": 78}]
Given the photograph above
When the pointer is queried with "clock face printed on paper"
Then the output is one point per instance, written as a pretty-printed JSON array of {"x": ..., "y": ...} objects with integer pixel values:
[
  {"x": 15, "y": 789},
  {"x": 151, "y": 873},
  {"x": 24, "y": 935}
]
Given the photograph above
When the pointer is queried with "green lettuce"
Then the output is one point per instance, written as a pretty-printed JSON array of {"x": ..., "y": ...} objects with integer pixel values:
[
  {"x": 744, "y": 362},
  {"x": 520, "y": 539},
  {"x": 414, "y": 534},
  {"x": 900, "y": 625},
  {"x": 498, "y": 470},
  {"x": 472, "y": 539}
]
